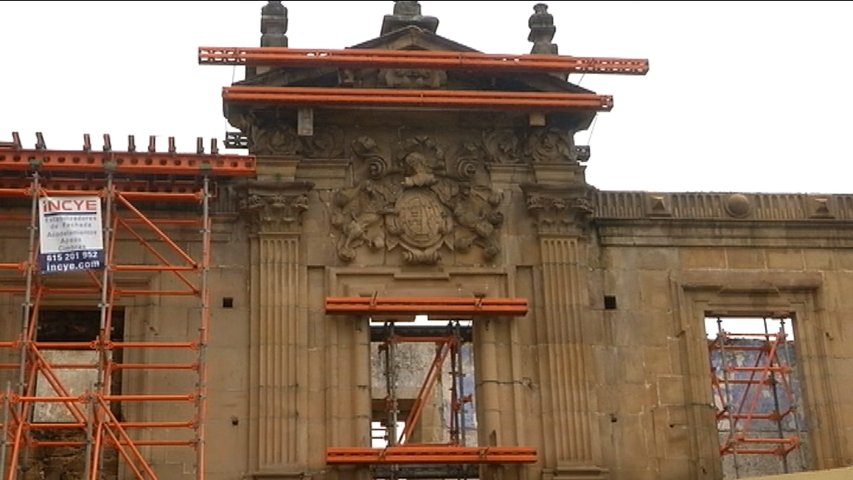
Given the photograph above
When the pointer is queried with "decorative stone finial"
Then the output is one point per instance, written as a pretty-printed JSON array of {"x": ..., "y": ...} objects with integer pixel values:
[
  {"x": 542, "y": 30},
  {"x": 405, "y": 14},
  {"x": 273, "y": 25}
]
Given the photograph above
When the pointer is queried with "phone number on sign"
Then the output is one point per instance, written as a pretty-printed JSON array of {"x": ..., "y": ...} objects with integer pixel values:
[{"x": 71, "y": 256}]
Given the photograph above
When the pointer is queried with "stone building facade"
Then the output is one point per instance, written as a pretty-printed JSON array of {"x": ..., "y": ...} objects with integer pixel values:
[{"x": 607, "y": 376}]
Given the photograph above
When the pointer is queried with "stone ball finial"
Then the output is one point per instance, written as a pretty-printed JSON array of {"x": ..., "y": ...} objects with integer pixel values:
[
  {"x": 273, "y": 25},
  {"x": 542, "y": 30},
  {"x": 406, "y": 14}
]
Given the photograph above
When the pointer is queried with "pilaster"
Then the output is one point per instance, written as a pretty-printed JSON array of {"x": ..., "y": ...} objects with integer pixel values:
[
  {"x": 279, "y": 335},
  {"x": 561, "y": 215}
]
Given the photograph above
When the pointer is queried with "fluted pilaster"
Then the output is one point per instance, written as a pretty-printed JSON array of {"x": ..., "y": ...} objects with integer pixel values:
[
  {"x": 562, "y": 215},
  {"x": 568, "y": 386},
  {"x": 278, "y": 334},
  {"x": 279, "y": 330}
]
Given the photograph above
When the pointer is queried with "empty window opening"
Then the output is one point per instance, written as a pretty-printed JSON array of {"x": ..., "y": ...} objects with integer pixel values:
[
  {"x": 757, "y": 395},
  {"x": 70, "y": 334},
  {"x": 422, "y": 386},
  {"x": 65, "y": 338}
]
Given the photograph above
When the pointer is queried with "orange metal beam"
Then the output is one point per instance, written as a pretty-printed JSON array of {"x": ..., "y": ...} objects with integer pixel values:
[
  {"x": 380, "y": 97},
  {"x": 460, "y": 306},
  {"x": 369, "y": 58},
  {"x": 434, "y": 454},
  {"x": 126, "y": 162}
]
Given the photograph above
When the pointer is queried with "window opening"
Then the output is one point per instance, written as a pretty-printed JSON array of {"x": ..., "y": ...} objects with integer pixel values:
[
  {"x": 424, "y": 460},
  {"x": 68, "y": 336},
  {"x": 422, "y": 373},
  {"x": 757, "y": 395}
]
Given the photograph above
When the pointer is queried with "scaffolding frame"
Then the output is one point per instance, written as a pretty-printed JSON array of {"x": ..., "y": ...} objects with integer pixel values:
[
  {"x": 131, "y": 186},
  {"x": 739, "y": 388},
  {"x": 401, "y": 455}
]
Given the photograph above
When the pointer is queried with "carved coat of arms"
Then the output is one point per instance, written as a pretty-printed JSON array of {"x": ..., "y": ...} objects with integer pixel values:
[{"x": 413, "y": 201}]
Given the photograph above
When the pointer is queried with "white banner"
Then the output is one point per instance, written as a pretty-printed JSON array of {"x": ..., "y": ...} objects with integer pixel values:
[{"x": 70, "y": 234}]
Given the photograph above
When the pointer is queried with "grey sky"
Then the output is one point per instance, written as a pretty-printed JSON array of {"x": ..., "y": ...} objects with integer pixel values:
[{"x": 741, "y": 96}]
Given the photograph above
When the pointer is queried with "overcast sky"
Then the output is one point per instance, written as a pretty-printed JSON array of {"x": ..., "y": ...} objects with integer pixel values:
[{"x": 741, "y": 96}]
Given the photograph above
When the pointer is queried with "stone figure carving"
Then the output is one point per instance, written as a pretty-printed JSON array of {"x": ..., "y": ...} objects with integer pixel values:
[
  {"x": 415, "y": 203},
  {"x": 412, "y": 78},
  {"x": 502, "y": 146},
  {"x": 549, "y": 145},
  {"x": 361, "y": 212},
  {"x": 477, "y": 212}
]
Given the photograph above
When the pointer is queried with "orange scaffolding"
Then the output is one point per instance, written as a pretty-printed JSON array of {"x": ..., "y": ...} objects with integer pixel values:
[
  {"x": 375, "y": 58},
  {"x": 283, "y": 57},
  {"x": 754, "y": 392},
  {"x": 400, "y": 452},
  {"x": 149, "y": 199}
]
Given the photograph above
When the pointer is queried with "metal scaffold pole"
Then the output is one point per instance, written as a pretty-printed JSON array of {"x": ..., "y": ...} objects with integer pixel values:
[{"x": 203, "y": 331}]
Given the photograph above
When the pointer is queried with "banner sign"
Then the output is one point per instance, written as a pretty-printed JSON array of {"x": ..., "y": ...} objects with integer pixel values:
[{"x": 70, "y": 234}]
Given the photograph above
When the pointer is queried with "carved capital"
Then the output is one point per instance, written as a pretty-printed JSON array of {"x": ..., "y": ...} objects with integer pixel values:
[
  {"x": 270, "y": 207},
  {"x": 554, "y": 209}
]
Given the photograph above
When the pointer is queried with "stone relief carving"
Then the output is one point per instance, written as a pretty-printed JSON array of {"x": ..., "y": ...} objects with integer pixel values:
[
  {"x": 327, "y": 142},
  {"x": 273, "y": 139},
  {"x": 544, "y": 145},
  {"x": 274, "y": 207},
  {"x": 503, "y": 146},
  {"x": 277, "y": 137},
  {"x": 420, "y": 201},
  {"x": 412, "y": 78},
  {"x": 550, "y": 145},
  {"x": 392, "y": 78},
  {"x": 559, "y": 210}
]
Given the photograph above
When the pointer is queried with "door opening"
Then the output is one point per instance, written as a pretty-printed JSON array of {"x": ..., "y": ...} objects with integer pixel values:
[{"x": 757, "y": 394}]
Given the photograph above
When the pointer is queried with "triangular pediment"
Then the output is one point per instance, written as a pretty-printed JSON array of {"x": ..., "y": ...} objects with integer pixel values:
[{"x": 413, "y": 38}]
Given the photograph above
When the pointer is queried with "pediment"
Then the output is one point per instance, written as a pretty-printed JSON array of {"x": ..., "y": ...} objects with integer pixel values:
[{"x": 413, "y": 38}]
